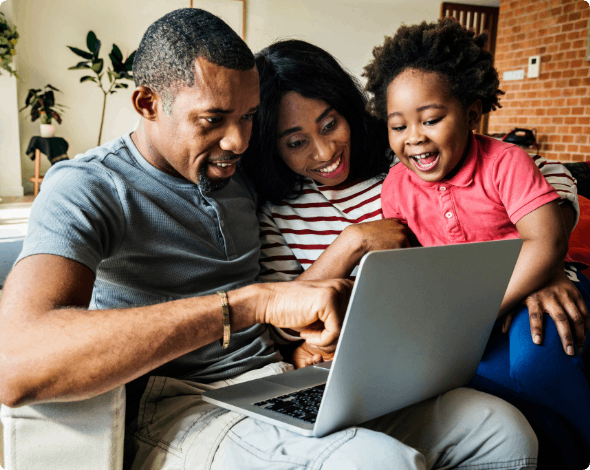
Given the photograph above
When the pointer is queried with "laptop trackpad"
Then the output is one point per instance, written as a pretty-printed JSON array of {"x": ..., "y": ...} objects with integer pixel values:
[{"x": 305, "y": 377}]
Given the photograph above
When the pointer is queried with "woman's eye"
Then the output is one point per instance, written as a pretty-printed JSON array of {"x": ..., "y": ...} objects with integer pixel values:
[
  {"x": 295, "y": 144},
  {"x": 330, "y": 125},
  {"x": 213, "y": 120},
  {"x": 432, "y": 122},
  {"x": 249, "y": 117}
]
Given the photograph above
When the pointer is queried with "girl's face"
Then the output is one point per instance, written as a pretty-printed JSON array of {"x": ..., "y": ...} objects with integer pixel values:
[
  {"x": 428, "y": 128},
  {"x": 313, "y": 139}
]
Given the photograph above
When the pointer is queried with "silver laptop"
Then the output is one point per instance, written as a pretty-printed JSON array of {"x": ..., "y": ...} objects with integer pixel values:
[{"x": 416, "y": 326}]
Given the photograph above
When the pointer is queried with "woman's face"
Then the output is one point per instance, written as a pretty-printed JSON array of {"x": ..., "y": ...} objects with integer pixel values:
[{"x": 313, "y": 139}]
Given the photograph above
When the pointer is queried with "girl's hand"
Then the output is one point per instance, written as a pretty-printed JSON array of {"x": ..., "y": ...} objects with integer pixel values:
[{"x": 563, "y": 302}]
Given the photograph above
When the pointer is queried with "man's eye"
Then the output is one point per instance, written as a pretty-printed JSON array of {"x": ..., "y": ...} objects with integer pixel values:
[{"x": 213, "y": 120}]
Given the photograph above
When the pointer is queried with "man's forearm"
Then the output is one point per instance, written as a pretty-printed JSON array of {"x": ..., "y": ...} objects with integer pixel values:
[{"x": 71, "y": 353}]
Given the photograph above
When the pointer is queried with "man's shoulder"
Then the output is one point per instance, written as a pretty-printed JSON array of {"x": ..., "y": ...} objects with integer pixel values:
[{"x": 97, "y": 166}]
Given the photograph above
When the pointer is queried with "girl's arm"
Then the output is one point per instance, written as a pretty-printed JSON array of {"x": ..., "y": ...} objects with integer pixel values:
[{"x": 544, "y": 246}]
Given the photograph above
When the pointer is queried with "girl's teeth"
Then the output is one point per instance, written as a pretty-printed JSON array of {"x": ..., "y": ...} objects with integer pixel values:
[{"x": 331, "y": 168}]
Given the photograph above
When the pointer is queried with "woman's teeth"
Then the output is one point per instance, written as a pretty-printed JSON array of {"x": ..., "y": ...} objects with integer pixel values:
[{"x": 331, "y": 168}]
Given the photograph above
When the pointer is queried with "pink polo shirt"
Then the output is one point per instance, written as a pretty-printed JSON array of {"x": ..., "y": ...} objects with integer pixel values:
[{"x": 496, "y": 186}]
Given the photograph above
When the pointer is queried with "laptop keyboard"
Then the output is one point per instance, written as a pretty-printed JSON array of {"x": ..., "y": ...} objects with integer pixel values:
[{"x": 303, "y": 404}]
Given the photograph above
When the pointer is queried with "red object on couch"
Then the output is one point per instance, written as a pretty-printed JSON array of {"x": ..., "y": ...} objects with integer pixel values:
[{"x": 579, "y": 245}]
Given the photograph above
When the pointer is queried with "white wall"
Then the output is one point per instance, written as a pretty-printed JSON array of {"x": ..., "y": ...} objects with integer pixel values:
[
  {"x": 346, "y": 28},
  {"x": 10, "y": 169}
]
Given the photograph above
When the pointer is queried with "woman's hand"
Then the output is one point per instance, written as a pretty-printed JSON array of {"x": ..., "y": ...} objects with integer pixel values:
[
  {"x": 340, "y": 258},
  {"x": 385, "y": 234},
  {"x": 308, "y": 355},
  {"x": 563, "y": 302}
]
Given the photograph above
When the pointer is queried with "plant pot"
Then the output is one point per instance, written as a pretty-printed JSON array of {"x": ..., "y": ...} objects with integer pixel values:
[{"x": 47, "y": 130}]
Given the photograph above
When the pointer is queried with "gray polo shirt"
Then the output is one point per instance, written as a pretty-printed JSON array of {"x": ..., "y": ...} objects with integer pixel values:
[{"x": 151, "y": 238}]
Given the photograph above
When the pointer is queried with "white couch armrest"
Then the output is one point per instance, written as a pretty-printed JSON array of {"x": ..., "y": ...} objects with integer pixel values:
[{"x": 86, "y": 434}]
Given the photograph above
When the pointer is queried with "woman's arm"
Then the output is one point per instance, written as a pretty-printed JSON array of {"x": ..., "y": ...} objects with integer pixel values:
[
  {"x": 544, "y": 246},
  {"x": 341, "y": 257}
]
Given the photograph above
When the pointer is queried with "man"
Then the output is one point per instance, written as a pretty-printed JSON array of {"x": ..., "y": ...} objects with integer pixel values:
[{"x": 124, "y": 237}]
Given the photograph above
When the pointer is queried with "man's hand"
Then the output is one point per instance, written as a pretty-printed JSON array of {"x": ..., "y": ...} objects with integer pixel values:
[
  {"x": 563, "y": 302},
  {"x": 307, "y": 355},
  {"x": 315, "y": 308}
]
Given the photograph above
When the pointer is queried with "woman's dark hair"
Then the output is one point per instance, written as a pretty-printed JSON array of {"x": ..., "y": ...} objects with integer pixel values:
[
  {"x": 444, "y": 47},
  {"x": 308, "y": 70}
]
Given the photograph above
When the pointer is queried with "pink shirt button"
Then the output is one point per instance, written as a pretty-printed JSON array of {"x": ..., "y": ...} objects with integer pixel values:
[
  {"x": 442, "y": 188},
  {"x": 448, "y": 215}
]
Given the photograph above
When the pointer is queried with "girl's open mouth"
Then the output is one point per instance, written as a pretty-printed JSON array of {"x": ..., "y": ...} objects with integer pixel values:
[{"x": 425, "y": 161}]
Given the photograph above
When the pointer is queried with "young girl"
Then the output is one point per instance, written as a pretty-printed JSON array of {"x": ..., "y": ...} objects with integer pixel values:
[{"x": 432, "y": 83}]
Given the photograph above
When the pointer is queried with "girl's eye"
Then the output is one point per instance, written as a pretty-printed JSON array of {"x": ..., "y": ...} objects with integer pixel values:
[
  {"x": 213, "y": 120},
  {"x": 398, "y": 128},
  {"x": 432, "y": 122}
]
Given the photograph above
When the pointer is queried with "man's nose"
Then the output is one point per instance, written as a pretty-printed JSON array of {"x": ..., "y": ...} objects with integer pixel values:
[{"x": 236, "y": 139}]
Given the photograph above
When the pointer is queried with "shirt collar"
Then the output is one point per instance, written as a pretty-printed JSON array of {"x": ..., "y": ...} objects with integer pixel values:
[{"x": 464, "y": 177}]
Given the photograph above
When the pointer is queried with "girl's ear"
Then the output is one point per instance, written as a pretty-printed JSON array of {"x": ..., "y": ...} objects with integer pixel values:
[
  {"x": 474, "y": 114},
  {"x": 145, "y": 102}
]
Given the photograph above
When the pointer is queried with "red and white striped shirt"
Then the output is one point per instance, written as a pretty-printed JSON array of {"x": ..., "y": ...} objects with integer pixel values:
[{"x": 295, "y": 232}]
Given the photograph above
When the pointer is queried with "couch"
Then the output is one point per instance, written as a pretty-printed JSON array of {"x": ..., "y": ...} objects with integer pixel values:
[{"x": 89, "y": 434}]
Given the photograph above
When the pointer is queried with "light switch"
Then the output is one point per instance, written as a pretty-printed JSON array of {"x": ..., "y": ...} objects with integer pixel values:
[
  {"x": 534, "y": 66},
  {"x": 513, "y": 75}
]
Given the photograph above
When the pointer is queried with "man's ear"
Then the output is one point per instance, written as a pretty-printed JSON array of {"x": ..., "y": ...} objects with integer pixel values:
[
  {"x": 145, "y": 102},
  {"x": 474, "y": 114}
]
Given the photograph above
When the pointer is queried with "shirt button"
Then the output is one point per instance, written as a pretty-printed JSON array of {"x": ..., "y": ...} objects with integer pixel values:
[
  {"x": 222, "y": 224},
  {"x": 448, "y": 215},
  {"x": 443, "y": 188}
]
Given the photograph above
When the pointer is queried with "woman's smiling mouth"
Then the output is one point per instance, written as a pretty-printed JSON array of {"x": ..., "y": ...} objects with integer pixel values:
[{"x": 333, "y": 170}]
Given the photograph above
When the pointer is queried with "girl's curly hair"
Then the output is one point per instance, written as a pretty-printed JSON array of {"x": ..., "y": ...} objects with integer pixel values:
[{"x": 444, "y": 47}]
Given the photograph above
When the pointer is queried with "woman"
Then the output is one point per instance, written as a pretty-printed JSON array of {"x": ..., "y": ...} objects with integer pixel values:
[{"x": 318, "y": 159}]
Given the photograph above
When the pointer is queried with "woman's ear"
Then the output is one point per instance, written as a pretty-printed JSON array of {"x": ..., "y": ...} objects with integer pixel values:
[
  {"x": 474, "y": 114},
  {"x": 145, "y": 102}
]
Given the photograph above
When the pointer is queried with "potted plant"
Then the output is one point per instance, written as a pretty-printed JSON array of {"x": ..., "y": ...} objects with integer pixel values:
[
  {"x": 121, "y": 70},
  {"x": 8, "y": 38},
  {"x": 43, "y": 105}
]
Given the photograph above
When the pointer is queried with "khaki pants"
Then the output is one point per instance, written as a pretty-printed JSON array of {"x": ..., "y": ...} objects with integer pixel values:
[{"x": 462, "y": 428}]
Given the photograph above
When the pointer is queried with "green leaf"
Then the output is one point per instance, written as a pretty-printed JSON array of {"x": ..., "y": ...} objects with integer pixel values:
[
  {"x": 129, "y": 61},
  {"x": 116, "y": 52},
  {"x": 79, "y": 67},
  {"x": 97, "y": 66},
  {"x": 86, "y": 78},
  {"x": 92, "y": 42},
  {"x": 81, "y": 53}
]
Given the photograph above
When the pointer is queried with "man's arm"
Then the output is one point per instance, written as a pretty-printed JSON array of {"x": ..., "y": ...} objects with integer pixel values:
[{"x": 53, "y": 349}]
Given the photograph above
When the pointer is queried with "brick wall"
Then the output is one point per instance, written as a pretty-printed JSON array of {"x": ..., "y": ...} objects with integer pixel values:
[{"x": 557, "y": 103}]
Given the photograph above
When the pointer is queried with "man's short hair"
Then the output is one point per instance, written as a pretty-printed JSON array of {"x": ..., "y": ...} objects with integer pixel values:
[{"x": 165, "y": 58}]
